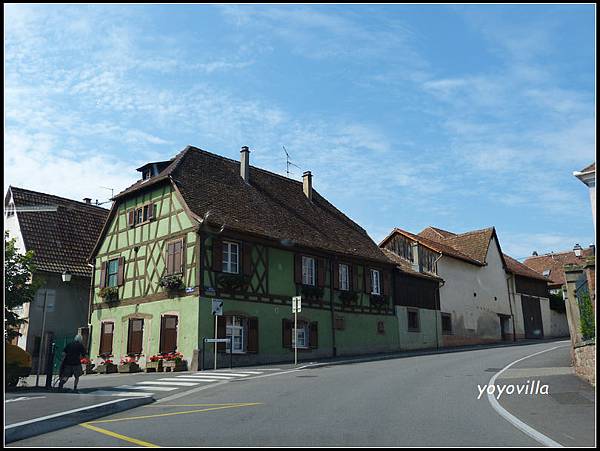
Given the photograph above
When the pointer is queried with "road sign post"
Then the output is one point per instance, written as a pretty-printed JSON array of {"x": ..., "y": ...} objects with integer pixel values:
[
  {"x": 296, "y": 307},
  {"x": 217, "y": 310}
]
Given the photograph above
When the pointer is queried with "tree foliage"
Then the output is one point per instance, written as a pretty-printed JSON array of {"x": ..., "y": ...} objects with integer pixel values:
[
  {"x": 19, "y": 288},
  {"x": 586, "y": 316}
]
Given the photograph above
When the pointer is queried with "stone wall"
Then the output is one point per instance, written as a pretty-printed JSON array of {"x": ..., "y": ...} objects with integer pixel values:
[{"x": 584, "y": 360}]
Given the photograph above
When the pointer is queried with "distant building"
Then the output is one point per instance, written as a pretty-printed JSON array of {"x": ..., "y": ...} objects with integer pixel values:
[
  {"x": 61, "y": 233},
  {"x": 588, "y": 176}
]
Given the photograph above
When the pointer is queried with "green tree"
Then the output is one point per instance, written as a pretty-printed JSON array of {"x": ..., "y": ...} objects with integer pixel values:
[
  {"x": 19, "y": 288},
  {"x": 586, "y": 317}
]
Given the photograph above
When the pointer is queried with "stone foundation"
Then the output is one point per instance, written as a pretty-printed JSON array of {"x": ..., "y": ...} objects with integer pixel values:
[{"x": 584, "y": 360}]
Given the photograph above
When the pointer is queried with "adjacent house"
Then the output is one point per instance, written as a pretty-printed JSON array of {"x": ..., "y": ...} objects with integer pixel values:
[
  {"x": 588, "y": 176},
  {"x": 473, "y": 297},
  {"x": 200, "y": 227},
  {"x": 61, "y": 233}
]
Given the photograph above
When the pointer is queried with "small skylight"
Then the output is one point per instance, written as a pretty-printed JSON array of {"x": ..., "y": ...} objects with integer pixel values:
[{"x": 546, "y": 272}]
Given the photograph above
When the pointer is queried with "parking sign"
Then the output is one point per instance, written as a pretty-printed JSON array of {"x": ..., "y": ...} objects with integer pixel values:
[{"x": 217, "y": 307}]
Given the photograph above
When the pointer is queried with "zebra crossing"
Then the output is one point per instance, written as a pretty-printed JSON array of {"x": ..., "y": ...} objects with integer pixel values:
[{"x": 172, "y": 381}]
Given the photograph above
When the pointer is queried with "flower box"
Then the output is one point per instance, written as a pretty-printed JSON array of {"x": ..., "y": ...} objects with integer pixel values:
[
  {"x": 88, "y": 368},
  {"x": 109, "y": 294},
  {"x": 106, "y": 368},
  {"x": 154, "y": 367},
  {"x": 172, "y": 365},
  {"x": 129, "y": 367}
]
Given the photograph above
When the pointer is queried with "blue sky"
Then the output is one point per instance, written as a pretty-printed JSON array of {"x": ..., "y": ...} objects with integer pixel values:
[{"x": 461, "y": 117}]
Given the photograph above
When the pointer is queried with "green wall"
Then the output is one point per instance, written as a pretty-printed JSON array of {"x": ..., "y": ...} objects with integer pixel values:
[{"x": 427, "y": 337}]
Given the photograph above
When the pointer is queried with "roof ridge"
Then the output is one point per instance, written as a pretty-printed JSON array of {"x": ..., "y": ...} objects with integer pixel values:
[
  {"x": 470, "y": 232},
  {"x": 83, "y": 204}
]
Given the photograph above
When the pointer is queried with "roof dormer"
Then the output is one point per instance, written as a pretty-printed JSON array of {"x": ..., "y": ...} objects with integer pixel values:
[{"x": 150, "y": 170}]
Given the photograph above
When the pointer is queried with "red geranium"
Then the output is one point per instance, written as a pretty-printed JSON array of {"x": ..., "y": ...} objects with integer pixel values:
[{"x": 85, "y": 361}]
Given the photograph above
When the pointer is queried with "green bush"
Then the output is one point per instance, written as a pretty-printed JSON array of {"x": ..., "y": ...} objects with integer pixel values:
[{"x": 586, "y": 316}]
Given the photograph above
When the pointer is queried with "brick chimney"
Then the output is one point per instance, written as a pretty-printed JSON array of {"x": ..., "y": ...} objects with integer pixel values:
[
  {"x": 307, "y": 185},
  {"x": 245, "y": 164}
]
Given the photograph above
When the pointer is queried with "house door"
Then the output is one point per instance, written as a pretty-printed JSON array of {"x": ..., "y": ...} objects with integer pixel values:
[{"x": 532, "y": 317}]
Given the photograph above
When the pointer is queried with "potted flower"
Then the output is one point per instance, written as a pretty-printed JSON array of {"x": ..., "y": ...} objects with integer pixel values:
[
  {"x": 174, "y": 362},
  {"x": 171, "y": 283},
  {"x": 88, "y": 366},
  {"x": 109, "y": 294},
  {"x": 312, "y": 294},
  {"x": 348, "y": 297},
  {"x": 107, "y": 366},
  {"x": 378, "y": 300},
  {"x": 155, "y": 364},
  {"x": 231, "y": 283},
  {"x": 129, "y": 364}
]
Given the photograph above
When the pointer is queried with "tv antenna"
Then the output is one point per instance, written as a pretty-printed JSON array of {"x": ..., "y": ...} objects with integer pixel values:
[{"x": 288, "y": 163}]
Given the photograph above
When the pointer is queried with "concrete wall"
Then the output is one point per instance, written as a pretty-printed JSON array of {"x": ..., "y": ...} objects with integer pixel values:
[
  {"x": 474, "y": 318},
  {"x": 429, "y": 335}
]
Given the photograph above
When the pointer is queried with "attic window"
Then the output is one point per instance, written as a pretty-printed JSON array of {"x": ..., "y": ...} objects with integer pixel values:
[
  {"x": 147, "y": 173},
  {"x": 546, "y": 273}
]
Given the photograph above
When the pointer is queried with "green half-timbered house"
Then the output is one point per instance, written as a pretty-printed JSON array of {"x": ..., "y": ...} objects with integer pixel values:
[{"x": 200, "y": 227}]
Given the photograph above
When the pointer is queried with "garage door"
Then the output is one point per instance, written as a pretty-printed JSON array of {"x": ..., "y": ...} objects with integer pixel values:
[{"x": 532, "y": 317}]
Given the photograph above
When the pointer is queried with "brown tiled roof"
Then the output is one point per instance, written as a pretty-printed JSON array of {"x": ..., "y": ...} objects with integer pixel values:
[
  {"x": 271, "y": 206},
  {"x": 434, "y": 245},
  {"x": 475, "y": 244},
  {"x": 435, "y": 233},
  {"x": 61, "y": 240},
  {"x": 516, "y": 267},
  {"x": 406, "y": 267},
  {"x": 555, "y": 262}
]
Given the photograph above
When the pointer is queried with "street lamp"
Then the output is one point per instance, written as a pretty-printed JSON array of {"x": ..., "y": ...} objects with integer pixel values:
[{"x": 66, "y": 277}]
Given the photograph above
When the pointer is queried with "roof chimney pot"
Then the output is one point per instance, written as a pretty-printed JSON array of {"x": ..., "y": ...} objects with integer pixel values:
[
  {"x": 245, "y": 164},
  {"x": 307, "y": 185},
  {"x": 87, "y": 200}
]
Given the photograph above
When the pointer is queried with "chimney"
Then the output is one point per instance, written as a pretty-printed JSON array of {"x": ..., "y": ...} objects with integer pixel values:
[
  {"x": 415, "y": 257},
  {"x": 87, "y": 200},
  {"x": 307, "y": 184},
  {"x": 245, "y": 164},
  {"x": 535, "y": 254}
]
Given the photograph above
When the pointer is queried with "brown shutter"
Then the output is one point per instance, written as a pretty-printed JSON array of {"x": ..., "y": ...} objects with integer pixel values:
[
  {"x": 221, "y": 332},
  {"x": 136, "y": 336},
  {"x": 387, "y": 283},
  {"x": 131, "y": 218},
  {"x": 286, "y": 333},
  {"x": 178, "y": 256},
  {"x": 247, "y": 258},
  {"x": 351, "y": 283},
  {"x": 168, "y": 333},
  {"x": 252, "y": 335},
  {"x": 313, "y": 340},
  {"x": 103, "y": 275},
  {"x": 106, "y": 338},
  {"x": 298, "y": 268},
  {"x": 150, "y": 211},
  {"x": 321, "y": 263},
  {"x": 217, "y": 255},
  {"x": 336, "y": 275},
  {"x": 121, "y": 272},
  {"x": 355, "y": 277},
  {"x": 367, "y": 279},
  {"x": 169, "y": 258}
]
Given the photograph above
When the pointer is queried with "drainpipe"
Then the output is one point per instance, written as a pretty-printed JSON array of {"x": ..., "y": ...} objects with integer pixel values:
[
  {"x": 89, "y": 343},
  {"x": 331, "y": 265},
  {"x": 511, "y": 310}
]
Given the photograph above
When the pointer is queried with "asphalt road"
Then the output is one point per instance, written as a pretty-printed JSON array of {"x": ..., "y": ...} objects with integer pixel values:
[{"x": 426, "y": 400}]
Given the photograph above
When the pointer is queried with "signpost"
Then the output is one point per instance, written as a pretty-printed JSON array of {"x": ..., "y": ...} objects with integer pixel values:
[
  {"x": 296, "y": 307},
  {"x": 215, "y": 341},
  {"x": 217, "y": 310}
]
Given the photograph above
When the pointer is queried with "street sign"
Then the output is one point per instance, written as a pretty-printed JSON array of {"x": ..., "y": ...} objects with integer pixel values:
[
  {"x": 217, "y": 340},
  {"x": 296, "y": 304},
  {"x": 217, "y": 307}
]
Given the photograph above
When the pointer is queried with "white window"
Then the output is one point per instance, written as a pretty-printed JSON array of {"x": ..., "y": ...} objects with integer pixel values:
[
  {"x": 231, "y": 257},
  {"x": 375, "y": 282},
  {"x": 308, "y": 270},
  {"x": 344, "y": 277},
  {"x": 235, "y": 332},
  {"x": 546, "y": 273},
  {"x": 300, "y": 335}
]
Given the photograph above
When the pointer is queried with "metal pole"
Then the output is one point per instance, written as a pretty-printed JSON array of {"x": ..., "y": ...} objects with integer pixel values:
[
  {"x": 296, "y": 335},
  {"x": 203, "y": 343},
  {"x": 50, "y": 365},
  {"x": 231, "y": 353},
  {"x": 216, "y": 325},
  {"x": 39, "y": 364}
]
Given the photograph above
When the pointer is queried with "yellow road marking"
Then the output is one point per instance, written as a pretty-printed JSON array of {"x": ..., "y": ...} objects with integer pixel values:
[
  {"x": 119, "y": 436},
  {"x": 177, "y": 413}
]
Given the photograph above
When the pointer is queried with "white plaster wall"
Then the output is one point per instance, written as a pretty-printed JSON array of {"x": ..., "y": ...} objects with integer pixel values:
[
  {"x": 559, "y": 326},
  {"x": 475, "y": 316}
]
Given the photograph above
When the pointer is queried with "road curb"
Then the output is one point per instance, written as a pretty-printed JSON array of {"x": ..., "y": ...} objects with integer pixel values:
[{"x": 38, "y": 426}]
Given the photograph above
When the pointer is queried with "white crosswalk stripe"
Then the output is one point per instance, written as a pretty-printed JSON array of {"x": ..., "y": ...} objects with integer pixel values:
[{"x": 172, "y": 382}]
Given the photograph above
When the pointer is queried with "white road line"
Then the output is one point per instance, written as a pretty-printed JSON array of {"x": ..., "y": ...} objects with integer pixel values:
[
  {"x": 203, "y": 376},
  {"x": 223, "y": 374},
  {"x": 139, "y": 387},
  {"x": 524, "y": 427},
  {"x": 119, "y": 393},
  {"x": 182, "y": 379},
  {"x": 160, "y": 382},
  {"x": 200, "y": 379},
  {"x": 241, "y": 373}
]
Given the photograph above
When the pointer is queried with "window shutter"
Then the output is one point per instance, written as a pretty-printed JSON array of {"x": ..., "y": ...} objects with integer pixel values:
[
  {"x": 131, "y": 218},
  {"x": 336, "y": 275},
  {"x": 168, "y": 333},
  {"x": 313, "y": 340},
  {"x": 179, "y": 255},
  {"x": 367, "y": 279},
  {"x": 298, "y": 268},
  {"x": 121, "y": 271},
  {"x": 351, "y": 277},
  {"x": 252, "y": 335},
  {"x": 387, "y": 283},
  {"x": 106, "y": 338},
  {"x": 247, "y": 259},
  {"x": 355, "y": 277},
  {"x": 136, "y": 336},
  {"x": 221, "y": 332},
  {"x": 150, "y": 211},
  {"x": 103, "y": 275},
  {"x": 286, "y": 333},
  {"x": 217, "y": 255},
  {"x": 321, "y": 263}
]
